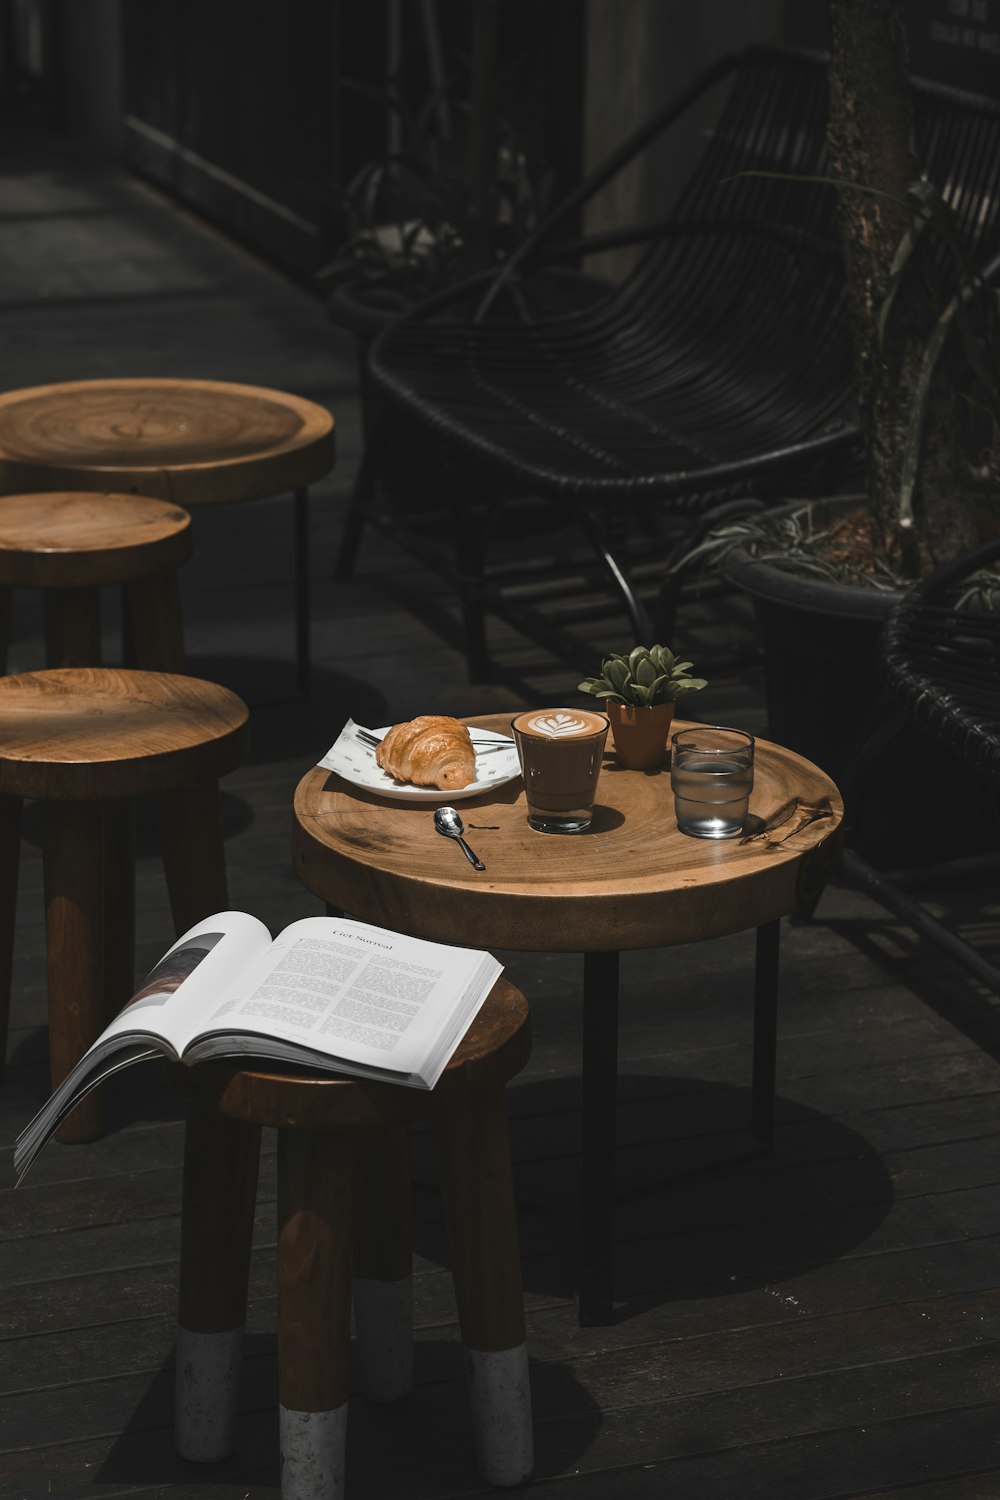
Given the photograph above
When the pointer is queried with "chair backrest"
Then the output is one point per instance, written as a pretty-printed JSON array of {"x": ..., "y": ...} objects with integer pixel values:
[
  {"x": 752, "y": 244},
  {"x": 958, "y": 143}
]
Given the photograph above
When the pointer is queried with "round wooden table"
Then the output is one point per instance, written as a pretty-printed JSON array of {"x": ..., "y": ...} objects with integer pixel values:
[
  {"x": 190, "y": 442},
  {"x": 632, "y": 881}
]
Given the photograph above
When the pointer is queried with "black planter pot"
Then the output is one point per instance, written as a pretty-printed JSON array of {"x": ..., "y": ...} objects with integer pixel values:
[{"x": 824, "y": 687}]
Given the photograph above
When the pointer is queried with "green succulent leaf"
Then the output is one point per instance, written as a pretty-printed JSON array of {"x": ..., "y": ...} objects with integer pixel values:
[
  {"x": 617, "y": 673},
  {"x": 648, "y": 675}
]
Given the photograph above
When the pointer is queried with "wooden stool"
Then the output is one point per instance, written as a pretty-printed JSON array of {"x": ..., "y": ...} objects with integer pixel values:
[
  {"x": 190, "y": 442},
  {"x": 71, "y": 544},
  {"x": 86, "y": 741},
  {"x": 342, "y": 1154}
]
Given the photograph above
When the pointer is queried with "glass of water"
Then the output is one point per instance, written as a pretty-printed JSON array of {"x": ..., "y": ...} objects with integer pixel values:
[{"x": 711, "y": 772}]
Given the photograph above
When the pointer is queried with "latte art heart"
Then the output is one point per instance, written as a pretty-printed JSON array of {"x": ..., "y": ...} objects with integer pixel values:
[{"x": 557, "y": 725}]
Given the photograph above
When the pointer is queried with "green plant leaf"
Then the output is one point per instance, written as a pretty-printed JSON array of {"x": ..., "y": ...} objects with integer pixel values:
[
  {"x": 915, "y": 421},
  {"x": 617, "y": 672}
]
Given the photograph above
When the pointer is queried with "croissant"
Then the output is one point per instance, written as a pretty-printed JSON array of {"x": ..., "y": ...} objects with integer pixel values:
[{"x": 432, "y": 750}]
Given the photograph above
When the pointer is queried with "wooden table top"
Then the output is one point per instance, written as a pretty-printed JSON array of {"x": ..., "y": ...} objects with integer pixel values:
[
  {"x": 631, "y": 881},
  {"x": 193, "y": 442}
]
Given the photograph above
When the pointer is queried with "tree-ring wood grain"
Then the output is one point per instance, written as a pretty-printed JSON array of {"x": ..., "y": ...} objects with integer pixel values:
[
  {"x": 192, "y": 442},
  {"x": 84, "y": 539},
  {"x": 495, "y": 1047},
  {"x": 85, "y": 733},
  {"x": 631, "y": 881}
]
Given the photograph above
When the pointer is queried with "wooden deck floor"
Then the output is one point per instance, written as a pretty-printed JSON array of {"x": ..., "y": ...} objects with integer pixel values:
[{"x": 820, "y": 1322}]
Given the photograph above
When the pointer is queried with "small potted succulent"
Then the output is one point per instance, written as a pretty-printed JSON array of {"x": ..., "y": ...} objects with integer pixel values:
[{"x": 639, "y": 692}]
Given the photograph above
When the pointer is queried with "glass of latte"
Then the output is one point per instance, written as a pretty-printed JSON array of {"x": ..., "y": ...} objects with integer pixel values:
[{"x": 560, "y": 751}]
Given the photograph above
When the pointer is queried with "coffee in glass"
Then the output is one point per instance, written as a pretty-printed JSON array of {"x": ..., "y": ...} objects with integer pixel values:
[{"x": 560, "y": 751}]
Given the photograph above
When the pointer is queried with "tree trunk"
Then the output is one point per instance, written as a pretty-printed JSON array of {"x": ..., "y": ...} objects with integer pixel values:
[{"x": 871, "y": 141}]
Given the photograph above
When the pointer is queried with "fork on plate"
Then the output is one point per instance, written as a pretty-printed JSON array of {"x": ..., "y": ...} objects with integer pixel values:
[{"x": 483, "y": 747}]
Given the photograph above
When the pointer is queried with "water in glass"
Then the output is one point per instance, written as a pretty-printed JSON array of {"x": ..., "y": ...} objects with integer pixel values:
[{"x": 711, "y": 793}]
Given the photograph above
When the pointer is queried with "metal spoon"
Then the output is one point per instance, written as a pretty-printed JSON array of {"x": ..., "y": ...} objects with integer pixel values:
[{"x": 447, "y": 821}]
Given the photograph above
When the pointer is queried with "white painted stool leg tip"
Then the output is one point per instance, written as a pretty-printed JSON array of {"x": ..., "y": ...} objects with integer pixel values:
[
  {"x": 206, "y": 1394},
  {"x": 312, "y": 1453},
  {"x": 500, "y": 1396}
]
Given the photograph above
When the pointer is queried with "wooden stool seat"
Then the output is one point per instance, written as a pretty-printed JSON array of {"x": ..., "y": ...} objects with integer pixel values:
[
  {"x": 70, "y": 544},
  {"x": 86, "y": 741},
  {"x": 102, "y": 733},
  {"x": 495, "y": 1047},
  {"x": 188, "y": 442},
  {"x": 74, "y": 540},
  {"x": 343, "y": 1212}
]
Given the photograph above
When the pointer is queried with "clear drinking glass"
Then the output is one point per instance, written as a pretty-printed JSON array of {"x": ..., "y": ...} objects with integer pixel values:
[{"x": 711, "y": 772}]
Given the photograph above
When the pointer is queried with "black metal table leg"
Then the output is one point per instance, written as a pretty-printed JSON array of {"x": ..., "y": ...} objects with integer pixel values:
[
  {"x": 302, "y": 587},
  {"x": 597, "y": 1154},
  {"x": 765, "y": 1033}
]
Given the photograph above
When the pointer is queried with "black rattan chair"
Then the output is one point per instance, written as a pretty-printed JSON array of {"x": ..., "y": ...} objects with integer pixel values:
[
  {"x": 719, "y": 369},
  {"x": 942, "y": 669}
]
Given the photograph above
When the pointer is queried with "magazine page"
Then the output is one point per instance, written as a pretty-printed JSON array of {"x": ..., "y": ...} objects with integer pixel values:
[
  {"x": 347, "y": 989},
  {"x": 184, "y": 986},
  {"x": 171, "y": 1001}
]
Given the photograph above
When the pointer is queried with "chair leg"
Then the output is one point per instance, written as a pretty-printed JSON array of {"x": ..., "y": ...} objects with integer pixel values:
[
  {"x": 302, "y": 615},
  {"x": 220, "y": 1186},
  {"x": 765, "y": 1033},
  {"x": 73, "y": 857},
  {"x": 10, "y": 851},
  {"x": 72, "y": 627},
  {"x": 314, "y": 1309},
  {"x": 193, "y": 856},
  {"x": 472, "y": 1146},
  {"x": 383, "y": 1280},
  {"x": 157, "y": 627},
  {"x": 362, "y": 499},
  {"x": 472, "y": 586}
]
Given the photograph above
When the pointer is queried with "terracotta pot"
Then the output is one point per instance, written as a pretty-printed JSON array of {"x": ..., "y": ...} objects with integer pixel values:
[{"x": 640, "y": 734}]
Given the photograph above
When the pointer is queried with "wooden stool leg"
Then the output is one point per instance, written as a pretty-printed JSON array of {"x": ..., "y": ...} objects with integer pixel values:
[
  {"x": 72, "y": 627},
  {"x": 383, "y": 1263},
  {"x": 73, "y": 856},
  {"x": 119, "y": 905},
  {"x": 314, "y": 1309},
  {"x": 220, "y": 1186},
  {"x": 482, "y": 1222},
  {"x": 10, "y": 850},
  {"x": 157, "y": 630},
  {"x": 193, "y": 856}
]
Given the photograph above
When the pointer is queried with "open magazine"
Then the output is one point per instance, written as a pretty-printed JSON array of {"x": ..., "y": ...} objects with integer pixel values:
[{"x": 328, "y": 992}]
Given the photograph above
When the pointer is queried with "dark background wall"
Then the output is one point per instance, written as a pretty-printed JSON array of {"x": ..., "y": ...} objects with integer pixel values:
[{"x": 239, "y": 107}]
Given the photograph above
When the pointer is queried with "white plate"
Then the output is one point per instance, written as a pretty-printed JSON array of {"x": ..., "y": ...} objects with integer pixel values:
[{"x": 355, "y": 762}]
